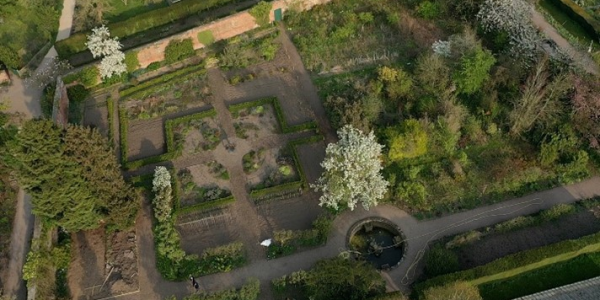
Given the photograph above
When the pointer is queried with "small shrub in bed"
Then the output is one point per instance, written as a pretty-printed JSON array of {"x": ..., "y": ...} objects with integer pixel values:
[
  {"x": 439, "y": 261},
  {"x": 178, "y": 50},
  {"x": 261, "y": 12},
  {"x": 131, "y": 60},
  {"x": 557, "y": 211},
  {"x": 77, "y": 93}
]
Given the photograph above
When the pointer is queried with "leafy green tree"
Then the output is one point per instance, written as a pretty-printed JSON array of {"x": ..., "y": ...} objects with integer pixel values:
[
  {"x": 409, "y": 140},
  {"x": 343, "y": 279},
  {"x": 72, "y": 176},
  {"x": 474, "y": 70}
]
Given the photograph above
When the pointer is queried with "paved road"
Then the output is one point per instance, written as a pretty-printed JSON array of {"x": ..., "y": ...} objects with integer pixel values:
[
  {"x": 25, "y": 100},
  {"x": 418, "y": 234}
]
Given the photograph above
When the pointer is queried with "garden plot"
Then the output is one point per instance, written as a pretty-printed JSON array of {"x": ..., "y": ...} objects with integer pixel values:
[
  {"x": 207, "y": 229},
  {"x": 198, "y": 135},
  {"x": 96, "y": 116},
  {"x": 255, "y": 122},
  {"x": 175, "y": 96},
  {"x": 268, "y": 167},
  {"x": 145, "y": 138},
  {"x": 284, "y": 214},
  {"x": 203, "y": 183}
]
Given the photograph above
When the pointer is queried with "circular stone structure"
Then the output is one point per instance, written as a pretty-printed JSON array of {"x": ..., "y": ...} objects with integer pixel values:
[{"x": 378, "y": 241}]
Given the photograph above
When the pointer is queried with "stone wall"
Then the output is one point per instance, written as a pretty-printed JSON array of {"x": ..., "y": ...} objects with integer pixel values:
[{"x": 221, "y": 29}]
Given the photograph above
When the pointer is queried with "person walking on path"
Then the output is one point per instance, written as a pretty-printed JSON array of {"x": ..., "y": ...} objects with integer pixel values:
[{"x": 195, "y": 283}]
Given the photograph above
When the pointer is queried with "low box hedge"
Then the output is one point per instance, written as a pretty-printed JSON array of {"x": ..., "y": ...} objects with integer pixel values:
[
  {"x": 585, "y": 20},
  {"x": 123, "y": 128},
  {"x": 205, "y": 205},
  {"x": 173, "y": 151},
  {"x": 137, "y": 24},
  {"x": 150, "y": 86},
  {"x": 517, "y": 263},
  {"x": 110, "y": 107},
  {"x": 285, "y": 127}
]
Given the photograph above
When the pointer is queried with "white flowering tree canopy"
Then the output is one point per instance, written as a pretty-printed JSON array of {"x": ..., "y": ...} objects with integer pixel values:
[
  {"x": 352, "y": 171},
  {"x": 113, "y": 64},
  {"x": 162, "y": 178},
  {"x": 100, "y": 43},
  {"x": 513, "y": 17}
]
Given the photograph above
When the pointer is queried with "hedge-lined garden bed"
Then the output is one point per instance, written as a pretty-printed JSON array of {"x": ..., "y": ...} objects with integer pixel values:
[
  {"x": 518, "y": 263},
  {"x": 173, "y": 149},
  {"x": 287, "y": 242}
]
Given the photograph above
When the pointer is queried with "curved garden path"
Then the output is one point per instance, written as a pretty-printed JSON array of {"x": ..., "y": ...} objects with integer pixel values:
[
  {"x": 418, "y": 235},
  {"x": 580, "y": 58},
  {"x": 25, "y": 100}
]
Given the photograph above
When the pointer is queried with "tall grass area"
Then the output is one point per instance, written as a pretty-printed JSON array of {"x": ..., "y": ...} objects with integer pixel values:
[
  {"x": 562, "y": 273},
  {"x": 121, "y": 11}
]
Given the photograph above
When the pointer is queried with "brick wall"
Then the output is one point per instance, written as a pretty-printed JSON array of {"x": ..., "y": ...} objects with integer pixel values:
[{"x": 221, "y": 29}]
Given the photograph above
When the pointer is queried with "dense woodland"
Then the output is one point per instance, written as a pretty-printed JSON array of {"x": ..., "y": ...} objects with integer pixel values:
[{"x": 465, "y": 122}]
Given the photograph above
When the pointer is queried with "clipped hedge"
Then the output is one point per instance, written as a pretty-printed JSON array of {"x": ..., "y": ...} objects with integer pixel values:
[
  {"x": 262, "y": 194},
  {"x": 173, "y": 150},
  {"x": 110, "y": 107},
  {"x": 285, "y": 127},
  {"x": 151, "y": 86},
  {"x": 140, "y": 23},
  {"x": 178, "y": 50},
  {"x": 123, "y": 128},
  {"x": 517, "y": 263},
  {"x": 205, "y": 205},
  {"x": 585, "y": 20}
]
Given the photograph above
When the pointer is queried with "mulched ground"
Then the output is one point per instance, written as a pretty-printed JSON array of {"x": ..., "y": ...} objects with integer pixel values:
[{"x": 498, "y": 245}]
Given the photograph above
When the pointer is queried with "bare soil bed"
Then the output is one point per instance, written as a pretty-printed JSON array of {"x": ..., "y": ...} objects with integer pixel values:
[
  {"x": 203, "y": 230},
  {"x": 86, "y": 271},
  {"x": 200, "y": 135},
  {"x": 499, "y": 245},
  {"x": 96, "y": 115},
  {"x": 122, "y": 264},
  {"x": 296, "y": 213},
  {"x": 145, "y": 138}
]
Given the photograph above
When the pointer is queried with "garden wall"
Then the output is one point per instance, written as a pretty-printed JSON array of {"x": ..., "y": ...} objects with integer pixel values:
[{"x": 221, "y": 29}]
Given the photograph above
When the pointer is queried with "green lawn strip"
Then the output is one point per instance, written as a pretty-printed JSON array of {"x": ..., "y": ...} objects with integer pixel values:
[
  {"x": 159, "y": 83},
  {"x": 285, "y": 127},
  {"x": 123, "y": 10},
  {"x": 259, "y": 195},
  {"x": 173, "y": 150},
  {"x": 565, "y": 21},
  {"x": 579, "y": 268},
  {"x": 518, "y": 263}
]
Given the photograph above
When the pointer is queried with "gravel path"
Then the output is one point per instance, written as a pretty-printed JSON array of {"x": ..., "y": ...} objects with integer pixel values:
[
  {"x": 25, "y": 100},
  {"x": 582, "y": 59},
  {"x": 418, "y": 234}
]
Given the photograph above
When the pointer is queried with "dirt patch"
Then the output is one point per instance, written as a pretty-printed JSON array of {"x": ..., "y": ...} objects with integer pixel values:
[
  {"x": 122, "y": 264},
  {"x": 256, "y": 122},
  {"x": 96, "y": 115},
  {"x": 296, "y": 213},
  {"x": 208, "y": 229},
  {"x": 502, "y": 244},
  {"x": 200, "y": 135},
  {"x": 145, "y": 138},
  {"x": 268, "y": 167},
  {"x": 86, "y": 271}
]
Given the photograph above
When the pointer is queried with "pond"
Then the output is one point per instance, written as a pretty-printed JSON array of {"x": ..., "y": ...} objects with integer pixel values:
[{"x": 377, "y": 241}]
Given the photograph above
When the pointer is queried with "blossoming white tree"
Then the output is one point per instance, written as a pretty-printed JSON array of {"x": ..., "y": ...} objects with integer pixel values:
[
  {"x": 161, "y": 186},
  {"x": 352, "y": 171},
  {"x": 513, "y": 17},
  {"x": 101, "y": 44}
]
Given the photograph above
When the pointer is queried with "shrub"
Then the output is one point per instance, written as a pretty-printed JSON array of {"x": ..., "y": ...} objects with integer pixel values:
[
  {"x": 178, "y": 50},
  {"x": 409, "y": 140},
  {"x": 154, "y": 66},
  {"x": 131, "y": 60},
  {"x": 428, "y": 10},
  {"x": 556, "y": 212},
  {"x": 77, "y": 93},
  {"x": 261, "y": 12},
  {"x": 206, "y": 37},
  {"x": 439, "y": 261},
  {"x": 268, "y": 49},
  {"x": 47, "y": 102}
]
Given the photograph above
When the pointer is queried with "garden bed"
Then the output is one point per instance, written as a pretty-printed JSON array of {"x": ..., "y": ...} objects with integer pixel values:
[
  {"x": 255, "y": 122},
  {"x": 198, "y": 186},
  {"x": 197, "y": 135}
]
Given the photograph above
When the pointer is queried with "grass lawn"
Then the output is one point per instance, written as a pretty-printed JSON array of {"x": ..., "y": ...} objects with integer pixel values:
[
  {"x": 576, "y": 269},
  {"x": 125, "y": 9}
]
